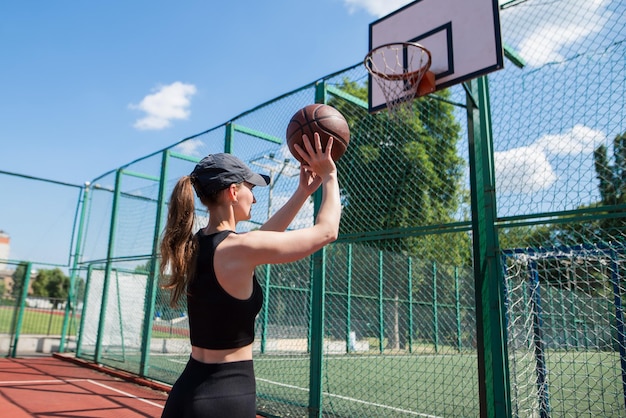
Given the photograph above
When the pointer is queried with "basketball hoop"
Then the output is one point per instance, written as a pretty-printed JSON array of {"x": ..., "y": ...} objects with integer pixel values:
[{"x": 401, "y": 71}]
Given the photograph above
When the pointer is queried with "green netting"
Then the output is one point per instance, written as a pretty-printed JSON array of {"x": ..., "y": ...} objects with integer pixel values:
[
  {"x": 566, "y": 330},
  {"x": 400, "y": 316}
]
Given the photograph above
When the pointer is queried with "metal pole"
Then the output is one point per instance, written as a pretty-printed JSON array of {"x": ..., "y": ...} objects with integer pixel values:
[
  {"x": 266, "y": 301},
  {"x": 317, "y": 306},
  {"x": 381, "y": 319},
  {"x": 228, "y": 138},
  {"x": 22, "y": 308},
  {"x": 71, "y": 297},
  {"x": 153, "y": 277},
  {"x": 349, "y": 299},
  {"x": 109, "y": 265},
  {"x": 619, "y": 317},
  {"x": 435, "y": 313},
  {"x": 540, "y": 367},
  {"x": 410, "y": 284},
  {"x": 493, "y": 370},
  {"x": 83, "y": 316},
  {"x": 457, "y": 298}
]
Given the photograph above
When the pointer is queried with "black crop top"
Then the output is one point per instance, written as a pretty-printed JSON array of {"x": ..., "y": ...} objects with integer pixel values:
[{"x": 218, "y": 320}]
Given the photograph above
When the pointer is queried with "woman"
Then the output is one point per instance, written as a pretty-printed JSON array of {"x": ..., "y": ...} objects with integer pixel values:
[{"x": 215, "y": 270}]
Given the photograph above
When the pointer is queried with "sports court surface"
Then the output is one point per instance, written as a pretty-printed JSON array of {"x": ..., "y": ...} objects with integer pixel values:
[
  {"x": 62, "y": 386},
  {"x": 57, "y": 387}
]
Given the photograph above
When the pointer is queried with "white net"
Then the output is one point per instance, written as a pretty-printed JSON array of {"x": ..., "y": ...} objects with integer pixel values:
[
  {"x": 565, "y": 332},
  {"x": 398, "y": 69}
]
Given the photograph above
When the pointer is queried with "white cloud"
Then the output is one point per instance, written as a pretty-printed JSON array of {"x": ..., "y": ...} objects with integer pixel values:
[
  {"x": 167, "y": 103},
  {"x": 528, "y": 170},
  {"x": 523, "y": 170},
  {"x": 190, "y": 147},
  {"x": 580, "y": 140},
  {"x": 378, "y": 8},
  {"x": 545, "y": 30}
]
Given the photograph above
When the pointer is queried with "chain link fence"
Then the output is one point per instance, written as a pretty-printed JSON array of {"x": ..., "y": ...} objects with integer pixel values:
[{"x": 383, "y": 323}]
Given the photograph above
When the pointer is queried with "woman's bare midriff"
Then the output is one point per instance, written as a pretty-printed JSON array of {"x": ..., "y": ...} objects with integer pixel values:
[{"x": 206, "y": 355}]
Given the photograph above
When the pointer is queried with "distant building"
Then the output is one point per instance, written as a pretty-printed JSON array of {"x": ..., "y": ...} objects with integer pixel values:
[
  {"x": 5, "y": 248},
  {"x": 6, "y": 275}
]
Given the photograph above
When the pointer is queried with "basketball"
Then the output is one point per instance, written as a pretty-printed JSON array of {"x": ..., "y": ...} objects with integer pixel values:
[{"x": 323, "y": 119}]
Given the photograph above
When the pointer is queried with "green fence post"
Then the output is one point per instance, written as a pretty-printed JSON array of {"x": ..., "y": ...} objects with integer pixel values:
[
  {"x": 410, "y": 283},
  {"x": 109, "y": 264},
  {"x": 317, "y": 304},
  {"x": 563, "y": 317},
  {"x": 435, "y": 313},
  {"x": 228, "y": 138},
  {"x": 310, "y": 328},
  {"x": 493, "y": 375},
  {"x": 83, "y": 316},
  {"x": 71, "y": 297},
  {"x": 266, "y": 310},
  {"x": 349, "y": 299},
  {"x": 153, "y": 276},
  {"x": 120, "y": 313},
  {"x": 317, "y": 334},
  {"x": 381, "y": 318},
  {"x": 457, "y": 299},
  {"x": 21, "y": 309}
]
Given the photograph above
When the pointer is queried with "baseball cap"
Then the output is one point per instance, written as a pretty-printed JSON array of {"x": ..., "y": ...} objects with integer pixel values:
[{"x": 216, "y": 172}]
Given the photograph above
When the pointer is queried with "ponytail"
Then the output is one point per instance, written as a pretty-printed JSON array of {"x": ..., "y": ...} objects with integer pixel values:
[{"x": 178, "y": 246}]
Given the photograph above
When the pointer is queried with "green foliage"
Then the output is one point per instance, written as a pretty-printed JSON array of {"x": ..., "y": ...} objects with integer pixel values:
[
  {"x": 612, "y": 178},
  {"x": 608, "y": 225},
  {"x": 51, "y": 283},
  {"x": 400, "y": 174},
  {"x": 18, "y": 280}
]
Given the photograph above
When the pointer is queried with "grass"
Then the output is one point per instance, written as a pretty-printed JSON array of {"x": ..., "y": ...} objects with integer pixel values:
[
  {"x": 35, "y": 321},
  {"x": 582, "y": 383},
  {"x": 421, "y": 384}
]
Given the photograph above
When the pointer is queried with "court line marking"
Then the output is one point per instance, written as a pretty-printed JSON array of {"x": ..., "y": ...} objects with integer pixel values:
[
  {"x": 130, "y": 395},
  {"x": 31, "y": 382},
  {"x": 405, "y": 411},
  {"x": 112, "y": 389}
]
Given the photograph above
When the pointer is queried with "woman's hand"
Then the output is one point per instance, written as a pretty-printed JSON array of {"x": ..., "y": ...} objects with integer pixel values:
[
  {"x": 318, "y": 161},
  {"x": 309, "y": 181}
]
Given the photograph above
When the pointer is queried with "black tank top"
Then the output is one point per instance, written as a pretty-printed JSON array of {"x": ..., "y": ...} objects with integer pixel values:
[{"x": 218, "y": 320}]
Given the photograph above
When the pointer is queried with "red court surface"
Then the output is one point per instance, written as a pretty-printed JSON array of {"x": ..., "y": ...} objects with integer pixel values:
[
  {"x": 55, "y": 387},
  {"x": 62, "y": 386}
]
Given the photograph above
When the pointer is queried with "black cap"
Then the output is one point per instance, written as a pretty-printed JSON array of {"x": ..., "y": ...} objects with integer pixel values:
[{"x": 216, "y": 172}]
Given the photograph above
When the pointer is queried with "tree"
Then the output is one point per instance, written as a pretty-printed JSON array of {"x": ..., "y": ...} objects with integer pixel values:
[
  {"x": 606, "y": 227},
  {"x": 18, "y": 280},
  {"x": 612, "y": 187},
  {"x": 400, "y": 174},
  {"x": 52, "y": 284},
  {"x": 401, "y": 181}
]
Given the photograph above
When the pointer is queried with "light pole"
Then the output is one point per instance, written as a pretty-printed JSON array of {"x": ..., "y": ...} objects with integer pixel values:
[{"x": 276, "y": 168}]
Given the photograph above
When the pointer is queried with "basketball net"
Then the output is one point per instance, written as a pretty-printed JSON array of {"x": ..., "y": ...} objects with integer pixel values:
[{"x": 401, "y": 71}]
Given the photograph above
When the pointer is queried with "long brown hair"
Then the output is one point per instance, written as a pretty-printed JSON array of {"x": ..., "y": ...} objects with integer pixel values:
[{"x": 178, "y": 245}]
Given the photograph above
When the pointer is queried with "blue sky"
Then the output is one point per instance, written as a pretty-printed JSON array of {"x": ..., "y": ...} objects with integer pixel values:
[
  {"x": 86, "y": 87},
  {"x": 89, "y": 86}
]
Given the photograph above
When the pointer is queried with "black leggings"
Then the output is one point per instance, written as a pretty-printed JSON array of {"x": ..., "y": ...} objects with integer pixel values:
[{"x": 213, "y": 390}]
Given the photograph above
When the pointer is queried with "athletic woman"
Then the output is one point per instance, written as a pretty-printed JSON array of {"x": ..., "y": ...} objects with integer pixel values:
[{"x": 214, "y": 269}]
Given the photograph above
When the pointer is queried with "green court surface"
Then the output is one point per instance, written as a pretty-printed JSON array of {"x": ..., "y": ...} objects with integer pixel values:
[{"x": 397, "y": 385}]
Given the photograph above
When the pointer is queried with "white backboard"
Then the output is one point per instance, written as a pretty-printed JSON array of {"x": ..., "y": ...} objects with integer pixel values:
[{"x": 463, "y": 37}]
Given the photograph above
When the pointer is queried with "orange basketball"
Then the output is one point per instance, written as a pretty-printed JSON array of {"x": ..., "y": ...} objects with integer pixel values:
[{"x": 323, "y": 119}]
